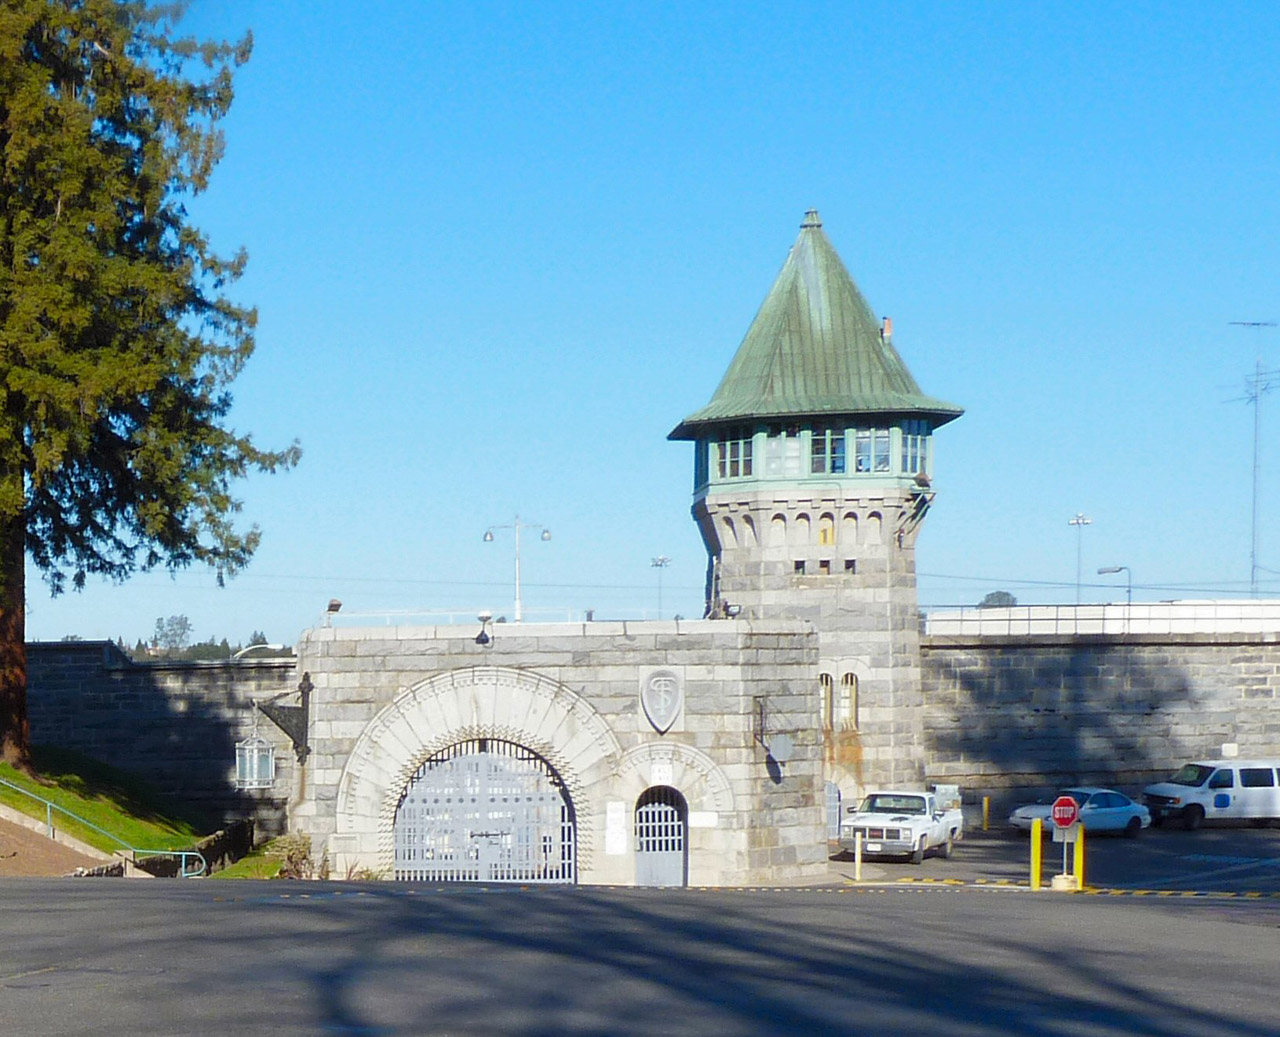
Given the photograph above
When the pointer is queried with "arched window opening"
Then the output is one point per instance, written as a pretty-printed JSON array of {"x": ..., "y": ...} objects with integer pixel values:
[
  {"x": 778, "y": 531},
  {"x": 827, "y": 530},
  {"x": 849, "y": 690},
  {"x": 872, "y": 528},
  {"x": 827, "y": 689},
  {"x": 729, "y": 536},
  {"x": 800, "y": 532}
]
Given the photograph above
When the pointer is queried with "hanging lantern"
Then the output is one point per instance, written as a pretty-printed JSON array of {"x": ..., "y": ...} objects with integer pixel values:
[
  {"x": 255, "y": 764},
  {"x": 255, "y": 761}
]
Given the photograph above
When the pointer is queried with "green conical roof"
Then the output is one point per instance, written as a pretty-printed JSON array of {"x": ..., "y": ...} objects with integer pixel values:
[{"x": 815, "y": 350}]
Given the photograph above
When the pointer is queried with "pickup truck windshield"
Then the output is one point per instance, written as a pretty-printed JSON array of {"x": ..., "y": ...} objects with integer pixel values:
[
  {"x": 893, "y": 805},
  {"x": 1192, "y": 774}
]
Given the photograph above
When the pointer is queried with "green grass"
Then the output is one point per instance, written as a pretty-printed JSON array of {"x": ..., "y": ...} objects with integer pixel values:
[
  {"x": 114, "y": 801},
  {"x": 257, "y": 865}
]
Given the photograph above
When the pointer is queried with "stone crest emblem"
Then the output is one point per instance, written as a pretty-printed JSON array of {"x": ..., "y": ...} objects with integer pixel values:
[{"x": 662, "y": 697}]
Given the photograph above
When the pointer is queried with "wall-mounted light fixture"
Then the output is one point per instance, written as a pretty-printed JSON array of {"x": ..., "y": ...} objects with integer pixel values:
[{"x": 483, "y": 639}]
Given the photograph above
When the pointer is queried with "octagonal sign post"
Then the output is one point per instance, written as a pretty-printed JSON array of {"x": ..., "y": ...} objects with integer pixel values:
[
  {"x": 1066, "y": 811},
  {"x": 1066, "y": 814}
]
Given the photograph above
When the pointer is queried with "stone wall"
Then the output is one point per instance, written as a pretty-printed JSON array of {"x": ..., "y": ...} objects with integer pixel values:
[
  {"x": 1004, "y": 716},
  {"x": 1030, "y": 713},
  {"x": 385, "y": 699},
  {"x": 176, "y": 724}
]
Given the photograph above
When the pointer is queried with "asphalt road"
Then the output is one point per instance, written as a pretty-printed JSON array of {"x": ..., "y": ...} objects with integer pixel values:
[
  {"x": 1240, "y": 859},
  {"x": 202, "y": 957}
]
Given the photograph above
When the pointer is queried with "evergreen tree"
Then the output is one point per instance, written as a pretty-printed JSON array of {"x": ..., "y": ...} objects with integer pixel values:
[{"x": 118, "y": 344}]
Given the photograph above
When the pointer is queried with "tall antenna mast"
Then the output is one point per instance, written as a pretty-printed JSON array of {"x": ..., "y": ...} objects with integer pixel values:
[{"x": 1255, "y": 386}]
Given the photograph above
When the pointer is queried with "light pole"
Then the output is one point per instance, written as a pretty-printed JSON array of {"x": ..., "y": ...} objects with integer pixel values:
[
  {"x": 1107, "y": 570},
  {"x": 517, "y": 525},
  {"x": 254, "y": 647},
  {"x": 1080, "y": 521},
  {"x": 660, "y": 563}
]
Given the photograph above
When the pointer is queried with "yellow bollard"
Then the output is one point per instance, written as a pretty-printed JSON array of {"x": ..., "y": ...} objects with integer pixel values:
[
  {"x": 1079, "y": 862},
  {"x": 857, "y": 857},
  {"x": 1037, "y": 850},
  {"x": 986, "y": 813}
]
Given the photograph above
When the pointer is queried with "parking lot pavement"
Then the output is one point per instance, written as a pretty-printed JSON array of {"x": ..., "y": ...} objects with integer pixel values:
[{"x": 1215, "y": 859}]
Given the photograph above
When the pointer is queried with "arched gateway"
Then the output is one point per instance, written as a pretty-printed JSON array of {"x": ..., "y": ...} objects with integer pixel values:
[
  {"x": 486, "y": 810},
  {"x": 477, "y": 773}
]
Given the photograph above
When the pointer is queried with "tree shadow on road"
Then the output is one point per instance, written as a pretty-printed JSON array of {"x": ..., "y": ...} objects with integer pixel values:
[{"x": 583, "y": 962}]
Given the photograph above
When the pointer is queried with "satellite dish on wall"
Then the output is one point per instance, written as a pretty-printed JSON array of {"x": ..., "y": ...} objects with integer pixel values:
[{"x": 781, "y": 748}]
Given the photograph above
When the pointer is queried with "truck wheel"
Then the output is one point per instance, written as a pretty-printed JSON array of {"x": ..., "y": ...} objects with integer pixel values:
[
  {"x": 1192, "y": 817},
  {"x": 1133, "y": 828},
  {"x": 917, "y": 855},
  {"x": 949, "y": 847}
]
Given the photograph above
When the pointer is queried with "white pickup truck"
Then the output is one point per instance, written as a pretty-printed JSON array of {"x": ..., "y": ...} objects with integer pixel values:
[{"x": 903, "y": 823}]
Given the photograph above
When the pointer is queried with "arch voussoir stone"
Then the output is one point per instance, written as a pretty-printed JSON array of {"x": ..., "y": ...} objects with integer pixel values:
[{"x": 518, "y": 706}]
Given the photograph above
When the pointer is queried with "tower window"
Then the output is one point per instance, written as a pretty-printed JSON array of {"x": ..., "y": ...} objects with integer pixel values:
[
  {"x": 915, "y": 447},
  {"x": 827, "y": 687},
  {"x": 824, "y": 567},
  {"x": 851, "y": 565},
  {"x": 799, "y": 567},
  {"x": 827, "y": 451},
  {"x": 871, "y": 450},
  {"x": 733, "y": 454}
]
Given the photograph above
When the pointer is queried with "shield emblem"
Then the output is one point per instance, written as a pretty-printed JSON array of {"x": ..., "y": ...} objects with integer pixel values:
[{"x": 662, "y": 695}]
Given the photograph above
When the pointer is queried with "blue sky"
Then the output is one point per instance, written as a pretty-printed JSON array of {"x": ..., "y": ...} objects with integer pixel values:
[{"x": 500, "y": 250}]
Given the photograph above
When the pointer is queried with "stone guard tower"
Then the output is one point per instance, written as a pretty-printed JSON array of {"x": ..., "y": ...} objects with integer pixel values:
[{"x": 812, "y": 474}]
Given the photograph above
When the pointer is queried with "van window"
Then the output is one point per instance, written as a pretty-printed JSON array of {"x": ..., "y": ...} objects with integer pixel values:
[
  {"x": 1257, "y": 777},
  {"x": 1223, "y": 779},
  {"x": 1192, "y": 774}
]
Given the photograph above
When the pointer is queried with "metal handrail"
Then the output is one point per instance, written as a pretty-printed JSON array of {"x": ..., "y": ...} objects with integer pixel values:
[
  {"x": 1224, "y": 616},
  {"x": 50, "y": 807}
]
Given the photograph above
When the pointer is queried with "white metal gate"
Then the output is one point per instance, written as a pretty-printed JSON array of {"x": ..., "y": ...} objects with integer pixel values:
[
  {"x": 662, "y": 821},
  {"x": 485, "y": 810},
  {"x": 833, "y": 811}
]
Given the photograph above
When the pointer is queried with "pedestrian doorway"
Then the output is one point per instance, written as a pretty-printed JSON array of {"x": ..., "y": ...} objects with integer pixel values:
[{"x": 662, "y": 827}]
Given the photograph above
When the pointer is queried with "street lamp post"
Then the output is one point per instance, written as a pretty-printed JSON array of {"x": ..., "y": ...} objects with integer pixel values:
[
  {"x": 660, "y": 563},
  {"x": 1108, "y": 570},
  {"x": 517, "y": 525},
  {"x": 1080, "y": 521}
]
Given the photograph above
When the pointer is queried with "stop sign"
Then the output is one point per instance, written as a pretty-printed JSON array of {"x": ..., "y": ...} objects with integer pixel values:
[{"x": 1066, "y": 812}]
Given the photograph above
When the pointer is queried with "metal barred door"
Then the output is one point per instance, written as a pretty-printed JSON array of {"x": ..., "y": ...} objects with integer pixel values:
[
  {"x": 833, "y": 811},
  {"x": 485, "y": 810},
  {"x": 661, "y": 838}
]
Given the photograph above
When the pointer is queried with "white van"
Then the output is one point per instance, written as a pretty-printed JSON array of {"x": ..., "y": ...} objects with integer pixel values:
[{"x": 1217, "y": 790}]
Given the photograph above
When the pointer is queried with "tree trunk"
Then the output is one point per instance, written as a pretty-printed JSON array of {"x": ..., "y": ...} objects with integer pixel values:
[{"x": 15, "y": 729}]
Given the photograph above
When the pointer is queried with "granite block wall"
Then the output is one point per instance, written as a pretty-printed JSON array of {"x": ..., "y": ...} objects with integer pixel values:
[
  {"x": 177, "y": 724},
  {"x": 752, "y": 818},
  {"x": 1005, "y": 715}
]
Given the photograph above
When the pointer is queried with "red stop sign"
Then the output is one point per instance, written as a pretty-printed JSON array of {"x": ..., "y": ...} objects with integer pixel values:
[{"x": 1066, "y": 811}]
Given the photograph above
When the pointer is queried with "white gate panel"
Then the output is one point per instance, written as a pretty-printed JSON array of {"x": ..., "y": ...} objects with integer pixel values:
[
  {"x": 485, "y": 810},
  {"x": 662, "y": 838}
]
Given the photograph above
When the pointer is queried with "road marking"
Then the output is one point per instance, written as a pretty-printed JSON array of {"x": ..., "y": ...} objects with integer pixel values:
[{"x": 1215, "y": 858}]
